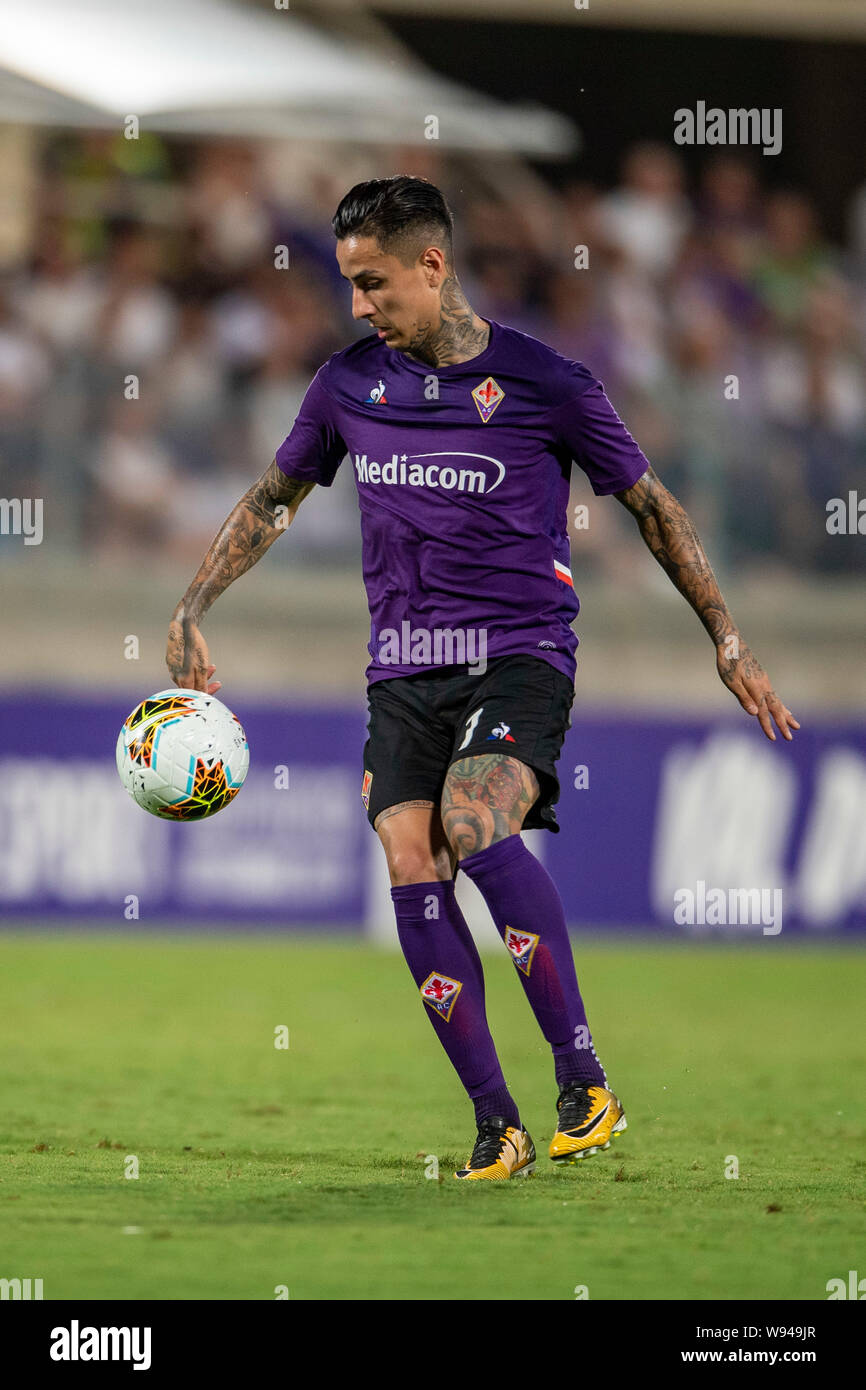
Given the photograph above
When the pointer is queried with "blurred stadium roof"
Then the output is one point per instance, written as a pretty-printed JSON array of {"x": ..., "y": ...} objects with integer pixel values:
[
  {"x": 818, "y": 19},
  {"x": 205, "y": 67}
]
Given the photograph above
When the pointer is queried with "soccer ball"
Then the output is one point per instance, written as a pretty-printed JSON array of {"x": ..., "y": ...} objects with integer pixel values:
[{"x": 182, "y": 755}]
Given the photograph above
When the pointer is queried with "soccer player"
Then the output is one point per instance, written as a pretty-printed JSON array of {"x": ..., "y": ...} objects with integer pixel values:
[{"x": 461, "y": 434}]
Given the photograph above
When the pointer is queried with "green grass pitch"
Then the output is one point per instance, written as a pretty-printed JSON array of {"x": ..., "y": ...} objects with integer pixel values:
[{"x": 304, "y": 1167}]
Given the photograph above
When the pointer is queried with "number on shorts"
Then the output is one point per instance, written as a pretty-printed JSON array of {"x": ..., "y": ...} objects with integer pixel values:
[{"x": 471, "y": 726}]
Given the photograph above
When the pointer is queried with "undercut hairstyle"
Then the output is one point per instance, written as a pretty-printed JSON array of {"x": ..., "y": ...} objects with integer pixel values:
[{"x": 403, "y": 214}]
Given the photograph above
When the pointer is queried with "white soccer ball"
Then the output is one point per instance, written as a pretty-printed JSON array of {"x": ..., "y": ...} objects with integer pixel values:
[{"x": 182, "y": 754}]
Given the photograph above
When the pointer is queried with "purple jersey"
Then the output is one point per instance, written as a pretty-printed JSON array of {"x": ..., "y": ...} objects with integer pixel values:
[{"x": 463, "y": 484}]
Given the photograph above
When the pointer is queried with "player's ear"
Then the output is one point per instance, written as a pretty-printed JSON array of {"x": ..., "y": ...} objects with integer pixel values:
[{"x": 432, "y": 261}]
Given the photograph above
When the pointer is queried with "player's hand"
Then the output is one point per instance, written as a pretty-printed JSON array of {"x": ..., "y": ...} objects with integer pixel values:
[
  {"x": 747, "y": 679},
  {"x": 188, "y": 659}
]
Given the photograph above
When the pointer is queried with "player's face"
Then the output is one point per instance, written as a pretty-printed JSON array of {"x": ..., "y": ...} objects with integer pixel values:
[{"x": 398, "y": 300}]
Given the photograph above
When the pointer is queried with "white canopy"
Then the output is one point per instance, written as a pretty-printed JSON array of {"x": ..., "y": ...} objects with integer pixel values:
[{"x": 208, "y": 67}]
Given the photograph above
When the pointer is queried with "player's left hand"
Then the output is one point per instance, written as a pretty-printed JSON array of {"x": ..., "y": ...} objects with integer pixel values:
[
  {"x": 188, "y": 659},
  {"x": 747, "y": 679}
]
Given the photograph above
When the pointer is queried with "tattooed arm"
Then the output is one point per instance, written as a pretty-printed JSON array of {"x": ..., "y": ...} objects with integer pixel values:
[
  {"x": 673, "y": 540},
  {"x": 262, "y": 514}
]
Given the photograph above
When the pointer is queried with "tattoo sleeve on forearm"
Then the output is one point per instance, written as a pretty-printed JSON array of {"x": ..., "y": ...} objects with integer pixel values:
[
  {"x": 670, "y": 535},
  {"x": 253, "y": 526}
]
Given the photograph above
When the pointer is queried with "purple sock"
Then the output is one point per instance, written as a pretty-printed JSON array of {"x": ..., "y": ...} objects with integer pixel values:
[
  {"x": 446, "y": 967},
  {"x": 529, "y": 917}
]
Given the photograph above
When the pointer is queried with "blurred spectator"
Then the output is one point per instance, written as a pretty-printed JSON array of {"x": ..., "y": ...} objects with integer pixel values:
[
  {"x": 134, "y": 486},
  {"x": 159, "y": 260},
  {"x": 60, "y": 298},
  {"x": 226, "y": 205},
  {"x": 136, "y": 319},
  {"x": 816, "y": 377},
  {"x": 647, "y": 218},
  {"x": 25, "y": 372},
  {"x": 578, "y": 324},
  {"x": 729, "y": 198},
  {"x": 189, "y": 380},
  {"x": 813, "y": 386},
  {"x": 793, "y": 257}
]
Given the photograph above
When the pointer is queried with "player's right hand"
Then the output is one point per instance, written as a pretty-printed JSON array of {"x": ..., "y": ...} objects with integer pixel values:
[{"x": 188, "y": 659}]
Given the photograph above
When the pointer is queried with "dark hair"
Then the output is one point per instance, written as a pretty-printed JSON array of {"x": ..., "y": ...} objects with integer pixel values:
[{"x": 399, "y": 212}]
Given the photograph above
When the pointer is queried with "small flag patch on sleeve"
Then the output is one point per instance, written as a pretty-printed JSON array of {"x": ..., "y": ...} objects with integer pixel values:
[{"x": 563, "y": 572}]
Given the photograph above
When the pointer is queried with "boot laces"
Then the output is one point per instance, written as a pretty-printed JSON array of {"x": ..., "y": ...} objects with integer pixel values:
[
  {"x": 574, "y": 1105},
  {"x": 488, "y": 1145}
]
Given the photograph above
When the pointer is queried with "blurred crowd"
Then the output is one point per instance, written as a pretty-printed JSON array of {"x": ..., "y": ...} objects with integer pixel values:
[{"x": 154, "y": 350}]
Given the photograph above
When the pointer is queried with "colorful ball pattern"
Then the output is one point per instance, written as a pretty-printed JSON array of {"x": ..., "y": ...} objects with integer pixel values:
[{"x": 182, "y": 754}]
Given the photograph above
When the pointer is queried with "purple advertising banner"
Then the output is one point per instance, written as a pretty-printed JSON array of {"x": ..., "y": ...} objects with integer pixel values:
[
  {"x": 668, "y": 825},
  {"x": 677, "y": 824},
  {"x": 286, "y": 849}
]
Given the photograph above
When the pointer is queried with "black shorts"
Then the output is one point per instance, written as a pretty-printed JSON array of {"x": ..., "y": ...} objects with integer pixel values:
[{"x": 420, "y": 725}]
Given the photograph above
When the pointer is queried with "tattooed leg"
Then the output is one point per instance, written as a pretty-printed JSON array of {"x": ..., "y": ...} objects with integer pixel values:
[
  {"x": 485, "y": 799},
  {"x": 484, "y": 804}
]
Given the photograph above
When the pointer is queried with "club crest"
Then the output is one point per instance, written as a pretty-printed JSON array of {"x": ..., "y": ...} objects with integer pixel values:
[
  {"x": 487, "y": 397},
  {"x": 522, "y": 946},
  {"x": 365, "y": 788},
  {"x": 441, "y": 993}
]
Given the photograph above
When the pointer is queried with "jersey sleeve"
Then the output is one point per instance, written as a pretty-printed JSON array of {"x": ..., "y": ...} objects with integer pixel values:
[
  {"x": 314, "y": 448},
  {"x": 589, "y": 428}
]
